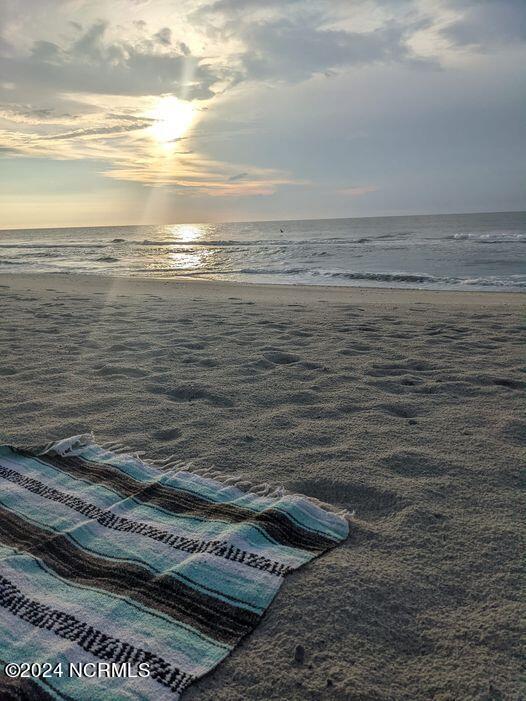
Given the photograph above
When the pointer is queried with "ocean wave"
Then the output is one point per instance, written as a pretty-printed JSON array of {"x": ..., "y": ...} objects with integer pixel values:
[
  {"x": 82, "y": 246},
  {"x": 373, "y": 240},
  {"x": 212, "y": 244},
  {"x": 394, "y": 235},
  {"x": 242, "y": 243},
  {"x": 193, "y": 272},
  {"x": 229, "y": 243},
  {"x": 488, "y": 238},
  {"x": 425, "y": 278},
  {"x": 511, "y": 281},
  {"x": 384, "y": 277},
  {"x": 274, "y": 271},
  {"x": 179, "y": 272},
  {"x": 462, "y": 254}
]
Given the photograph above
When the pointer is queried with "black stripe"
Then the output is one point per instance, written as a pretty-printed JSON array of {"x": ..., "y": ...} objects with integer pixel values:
[
  {"x": 279, "y": 526},
  {"x": 103, "y": 646},
  {"x": 214, "y": 618}
]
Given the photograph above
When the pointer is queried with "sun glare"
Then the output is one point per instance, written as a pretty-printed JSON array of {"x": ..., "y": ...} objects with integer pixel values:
[
  {"x": 172, "y": 119},
  {"x": 188, "y": 232}
]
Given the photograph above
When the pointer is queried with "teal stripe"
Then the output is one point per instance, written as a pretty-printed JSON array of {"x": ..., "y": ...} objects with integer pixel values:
[
  {"x": 220, "y": 494},
  {"x": 133, "y": 467},
  {"x": 215, "y": 585},
  {"x": 232, "y": 582},
  {"x": 51, "y": 514}
]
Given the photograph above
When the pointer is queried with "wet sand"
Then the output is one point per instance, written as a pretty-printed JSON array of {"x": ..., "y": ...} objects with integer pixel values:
[{"x": 404, "y": 406}]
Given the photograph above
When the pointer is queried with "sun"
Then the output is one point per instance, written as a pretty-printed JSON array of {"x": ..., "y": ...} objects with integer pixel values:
[{"x": 172, "y": 118}]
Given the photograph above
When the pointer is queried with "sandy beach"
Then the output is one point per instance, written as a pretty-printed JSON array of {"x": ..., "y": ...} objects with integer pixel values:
[{"x": 403, "y": 406}]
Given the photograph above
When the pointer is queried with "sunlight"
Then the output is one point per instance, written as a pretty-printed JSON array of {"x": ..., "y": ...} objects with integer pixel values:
[
  {"x": 191, "y": 261},
  {"x": 188, "y": 232},
  {"x": 172, "y": 119}
]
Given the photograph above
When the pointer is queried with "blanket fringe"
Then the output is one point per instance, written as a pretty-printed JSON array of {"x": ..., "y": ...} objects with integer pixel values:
[{"x": 263, "y": 489}]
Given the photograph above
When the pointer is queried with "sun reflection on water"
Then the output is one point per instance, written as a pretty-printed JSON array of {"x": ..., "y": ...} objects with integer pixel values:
[
  {"x": 187, "y": 254},
  {"x": 187, "y": 232},
  {"x": 195, "y": 260}
]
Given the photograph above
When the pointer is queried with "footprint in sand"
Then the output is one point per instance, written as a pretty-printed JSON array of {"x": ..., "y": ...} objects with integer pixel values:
[
  {"x": 515, "y": 431},
  {"x": 415, "y": 464},
  {"x": 404, "y": 411},
  {"x": 281, "y": 357},
  {"x": 167, "y": 434},
  {"x": 368, "y": 501},
  {"x": 116, "y": 371},
  {"x": 191, "y": 392},
  {"x": 5, "y": 372}
]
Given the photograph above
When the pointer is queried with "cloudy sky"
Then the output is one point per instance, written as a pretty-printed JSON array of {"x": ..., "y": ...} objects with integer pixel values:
[{"x": 165, "y": 111}]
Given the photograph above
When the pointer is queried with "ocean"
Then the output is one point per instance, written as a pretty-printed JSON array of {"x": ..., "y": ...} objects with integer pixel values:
[{"x": 453, "y": 251}]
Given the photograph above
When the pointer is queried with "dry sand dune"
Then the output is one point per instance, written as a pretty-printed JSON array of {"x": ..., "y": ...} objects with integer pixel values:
[{"x": 404, "y": 406}]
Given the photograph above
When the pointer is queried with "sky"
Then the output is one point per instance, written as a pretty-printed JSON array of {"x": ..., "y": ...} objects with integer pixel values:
[{"x": 165, "y": 111}]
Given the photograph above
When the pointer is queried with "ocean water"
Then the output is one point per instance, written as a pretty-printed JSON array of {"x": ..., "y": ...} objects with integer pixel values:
[{"x": 461, "y": 252}]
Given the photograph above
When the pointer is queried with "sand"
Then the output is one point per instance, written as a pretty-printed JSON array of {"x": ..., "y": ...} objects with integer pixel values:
[{"x": 404, "y": 406}]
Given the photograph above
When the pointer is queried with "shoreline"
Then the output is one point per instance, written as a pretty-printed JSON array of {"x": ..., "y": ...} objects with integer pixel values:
[{"x": 271, "y": 292}]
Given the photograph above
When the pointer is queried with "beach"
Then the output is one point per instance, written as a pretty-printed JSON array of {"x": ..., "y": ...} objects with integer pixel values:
[{"x": 401, "y": 406}]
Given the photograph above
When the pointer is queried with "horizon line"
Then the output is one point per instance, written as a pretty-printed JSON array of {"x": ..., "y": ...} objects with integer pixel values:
[{"x": 263, "y": 221}]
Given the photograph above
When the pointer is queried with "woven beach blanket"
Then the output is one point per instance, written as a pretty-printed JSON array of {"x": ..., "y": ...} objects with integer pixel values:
[{"x": 121, "y": 580}]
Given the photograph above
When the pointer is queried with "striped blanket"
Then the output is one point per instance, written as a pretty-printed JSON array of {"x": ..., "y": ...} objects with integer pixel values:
[{"x": 119, "y": 580}]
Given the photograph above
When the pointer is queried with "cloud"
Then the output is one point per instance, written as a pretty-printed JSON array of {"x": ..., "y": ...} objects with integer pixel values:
[
  {"x": 196, "y": 174},
  {"x": 486, "y": 23},
  {"x": 91, "y": 63},
  {"x": 27, "y": 114},
  {"x": 127, "y": 152},
  {"x": 294, "y": 51},
  {"x": 97, "y": 131},
  {"x": 164, "y": 36},
  {"x": 293, "y": 40},
  {"x": 227, "y": 8},
  {"x": 8, "y": 152},
  {"x": 358, "y": 190},
  {"x": 237, "y": 177}
]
